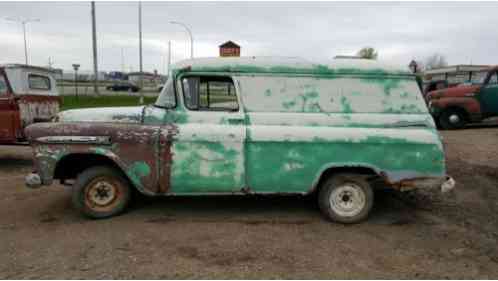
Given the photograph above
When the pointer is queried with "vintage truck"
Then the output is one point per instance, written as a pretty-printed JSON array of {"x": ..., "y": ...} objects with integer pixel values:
[
  {"x": 250, "y": 126},
  {"x": 453, "y": 108},
  {"x": 28, "y": 94}
]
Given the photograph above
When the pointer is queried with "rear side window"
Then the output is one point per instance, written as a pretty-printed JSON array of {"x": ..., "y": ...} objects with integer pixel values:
[
  {"x": 205, "y": 93},
  {"x": 3, "y": 86},
  {"x": 38, "y": 82}
]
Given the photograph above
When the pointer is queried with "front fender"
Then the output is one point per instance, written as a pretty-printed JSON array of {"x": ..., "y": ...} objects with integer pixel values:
[
  {"x": 470, "y": 104},
  {"x": 133, "y": 148}
]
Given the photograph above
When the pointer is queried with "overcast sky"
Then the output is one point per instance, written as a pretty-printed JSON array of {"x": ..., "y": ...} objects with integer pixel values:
[{"x": 463, "y": 32}]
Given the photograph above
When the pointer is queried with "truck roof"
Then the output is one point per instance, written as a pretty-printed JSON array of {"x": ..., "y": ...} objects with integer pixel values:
[
  {"x": 290, "y": 65},
  {"x": 25, "y": 66}
]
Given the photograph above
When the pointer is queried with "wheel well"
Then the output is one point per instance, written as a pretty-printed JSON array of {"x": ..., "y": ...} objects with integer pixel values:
[
  {"x": 70, "y": 166},
  {"x": 365, "y": 171}
]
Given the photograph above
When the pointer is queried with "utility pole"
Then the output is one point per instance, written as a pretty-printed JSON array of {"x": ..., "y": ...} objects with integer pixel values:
[
  {"x": 122, "y": 60},
  {"x": 140, "y": 50},
  {"x": 75, "y": 67},
  {"x": 24, "y": 22},
  {"x": 169, "y": 57},
  {"x": 95, "y": 63}
]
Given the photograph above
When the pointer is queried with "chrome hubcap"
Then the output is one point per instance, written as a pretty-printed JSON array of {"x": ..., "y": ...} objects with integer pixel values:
[
  {"x": 454, "y": 118},
  {"x": 347, "y": 200},
  {"x": 102, "y": 193}
]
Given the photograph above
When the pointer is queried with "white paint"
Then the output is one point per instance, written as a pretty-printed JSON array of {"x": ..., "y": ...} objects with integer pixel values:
[
  {"x": 340, "y": 119},
  {"x": 130, "y": 114},
  {"x": 340, "y": 134},
  {"x": 311, "y": 94},
  {"x": 291, "y": 62}
]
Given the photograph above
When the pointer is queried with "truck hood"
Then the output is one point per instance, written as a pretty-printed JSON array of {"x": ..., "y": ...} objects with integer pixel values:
[
  {"x": 131, "y": 114},
  {"x": 454, "y": 92}
]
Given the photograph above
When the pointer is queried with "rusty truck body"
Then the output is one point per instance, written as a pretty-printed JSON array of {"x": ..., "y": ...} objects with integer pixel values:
[
  {"x": 250, "y": 126},
  {"x": 453, "y": 108},
  {"x": 28, "y": 94}
]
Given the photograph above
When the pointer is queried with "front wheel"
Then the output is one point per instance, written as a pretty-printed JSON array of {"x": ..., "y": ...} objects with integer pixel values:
[
  {"x": 452, "y": 119},
  {"x": 346, "y": 198},
  {"x": 101, "y": 192}
]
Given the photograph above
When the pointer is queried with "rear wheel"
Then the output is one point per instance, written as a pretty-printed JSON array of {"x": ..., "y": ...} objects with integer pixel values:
[
  {"x": 452, "y": 119},
  {"x": 101, "y": 192},
  {"x": 346, "y": 198}
]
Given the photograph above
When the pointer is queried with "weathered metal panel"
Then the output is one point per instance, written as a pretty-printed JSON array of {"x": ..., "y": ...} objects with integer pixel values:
[
  {"x": 133, "y": 147},
  {"x": 208, "y": 153},
  {"x": 34, "y": 108}
]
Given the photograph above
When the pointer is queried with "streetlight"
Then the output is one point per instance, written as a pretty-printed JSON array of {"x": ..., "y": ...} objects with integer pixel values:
[
  {"x": 190, "y": 34},
  {"x": 24, "y": 22},
  {"x": 413, "y": 66},
  {"x": 75, "y": 67}
]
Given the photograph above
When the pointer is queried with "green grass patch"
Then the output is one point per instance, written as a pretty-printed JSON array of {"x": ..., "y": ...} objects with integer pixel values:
[{"x": 73, "y": 102}]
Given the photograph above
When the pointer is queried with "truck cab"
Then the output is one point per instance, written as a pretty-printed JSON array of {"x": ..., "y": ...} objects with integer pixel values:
[
  {"x": 453, "y": 108},
  {"x": 28, "y": 94}
]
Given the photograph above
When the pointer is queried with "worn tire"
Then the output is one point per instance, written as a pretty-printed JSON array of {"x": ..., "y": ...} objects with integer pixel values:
[
  {"x": 452, "y": 119},
  {"x": 101, "y": 192},
  {"x": 346, "y": 198}
]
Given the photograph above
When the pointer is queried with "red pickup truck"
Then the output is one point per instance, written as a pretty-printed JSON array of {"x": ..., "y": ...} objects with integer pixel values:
[
  {"x": 453, "y": 108},
  {"x": 28, "y": 94}
]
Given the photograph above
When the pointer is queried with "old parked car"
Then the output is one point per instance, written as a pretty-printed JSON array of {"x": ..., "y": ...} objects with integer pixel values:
[
  {"x": 123, "y": 86},
  {"x": 453, "y": 108},
  {"x": 251, "y": 126},
  {"x": 28, "y": 94}
]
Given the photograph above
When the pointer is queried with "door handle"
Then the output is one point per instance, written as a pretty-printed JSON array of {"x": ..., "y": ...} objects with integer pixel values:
[{"x": 235, "y": 121}]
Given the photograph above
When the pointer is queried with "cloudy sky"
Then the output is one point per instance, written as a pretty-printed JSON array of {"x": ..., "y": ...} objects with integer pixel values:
[{"x": 463, "y": 32}]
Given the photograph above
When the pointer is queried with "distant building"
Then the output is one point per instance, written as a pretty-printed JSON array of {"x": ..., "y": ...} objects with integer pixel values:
[
  {"x": 229, "y": 49},
  {"x": 456, "y": 74}
]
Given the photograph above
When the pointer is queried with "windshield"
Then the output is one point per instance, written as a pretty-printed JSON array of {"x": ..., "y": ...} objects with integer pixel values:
[{"x": 167, "y": 97}]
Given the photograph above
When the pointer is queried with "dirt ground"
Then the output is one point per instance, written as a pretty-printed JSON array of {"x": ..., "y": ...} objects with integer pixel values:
[{"x": 416, "y": 235}]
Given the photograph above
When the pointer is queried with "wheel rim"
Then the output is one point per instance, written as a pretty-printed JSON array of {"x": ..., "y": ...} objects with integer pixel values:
[
  {"x": 347, "y": 200},
  {"x": 102, "y": 194},
  {"x": 454, "y": 118}
]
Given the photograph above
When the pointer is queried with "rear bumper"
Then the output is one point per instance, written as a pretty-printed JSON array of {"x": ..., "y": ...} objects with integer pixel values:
[{"x": 444, "y": 184}]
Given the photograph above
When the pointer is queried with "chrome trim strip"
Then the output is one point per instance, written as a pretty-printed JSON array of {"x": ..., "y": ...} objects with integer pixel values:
[{"x": 75, "y": 139}]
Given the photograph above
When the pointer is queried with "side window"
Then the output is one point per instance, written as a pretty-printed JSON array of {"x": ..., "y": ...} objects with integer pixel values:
[
  {"x": 3, "y": 86},
  {"x": 38, "y": 82},
  {"x": 205, "y": 93},
  {"x": 493, "y": 80}
]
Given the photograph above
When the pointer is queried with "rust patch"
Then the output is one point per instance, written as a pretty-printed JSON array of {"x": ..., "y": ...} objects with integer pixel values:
[{"x": 166, "y": 157}]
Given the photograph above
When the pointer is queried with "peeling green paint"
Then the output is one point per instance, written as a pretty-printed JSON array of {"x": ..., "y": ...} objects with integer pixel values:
[
  {"x": 137, "y": 171},
  {"x": 268, "y": 170},
  {"x": 346, "y": 105}
]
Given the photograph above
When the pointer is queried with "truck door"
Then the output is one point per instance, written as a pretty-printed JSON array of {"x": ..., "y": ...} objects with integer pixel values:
[
  {"x": 7, "y": 111},
  {"x": 208, "y": 149},
  {"x": 489, "y": 95}
]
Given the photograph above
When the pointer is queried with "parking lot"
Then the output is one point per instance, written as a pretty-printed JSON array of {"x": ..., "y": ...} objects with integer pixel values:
[{"x": 413, "y": 235}]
